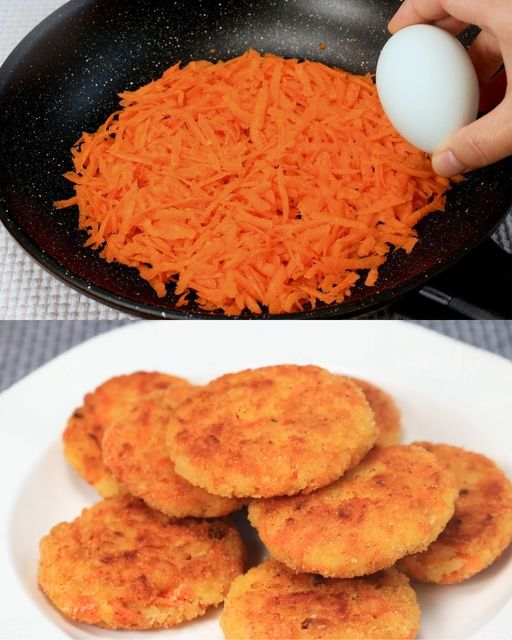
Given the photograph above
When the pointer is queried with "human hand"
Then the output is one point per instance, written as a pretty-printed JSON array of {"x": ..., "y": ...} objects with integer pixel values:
[{"x": 489, "y": 139}]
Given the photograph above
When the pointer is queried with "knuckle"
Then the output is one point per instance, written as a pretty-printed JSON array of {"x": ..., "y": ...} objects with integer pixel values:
[{"x": 476, "y": 148}]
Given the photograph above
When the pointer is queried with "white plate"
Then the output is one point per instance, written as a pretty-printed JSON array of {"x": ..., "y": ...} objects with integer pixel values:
[{"x": 448, "y": 392}]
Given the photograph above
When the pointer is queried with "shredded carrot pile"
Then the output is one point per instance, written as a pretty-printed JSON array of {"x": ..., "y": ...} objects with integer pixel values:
[{"x": 258, "y": 184}]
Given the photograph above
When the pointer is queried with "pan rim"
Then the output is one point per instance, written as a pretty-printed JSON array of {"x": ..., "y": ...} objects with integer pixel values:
[{"x": 347, "y": 310}]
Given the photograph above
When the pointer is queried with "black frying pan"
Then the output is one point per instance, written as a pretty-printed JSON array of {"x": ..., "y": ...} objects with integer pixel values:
[{"x": 64, "y": 77}]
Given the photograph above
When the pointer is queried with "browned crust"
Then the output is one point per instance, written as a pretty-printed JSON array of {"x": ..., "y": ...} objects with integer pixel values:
[
  {"x": 121, "y": 565},
  {"x": 481, "y": 527},
  {"x": 135, "y": 451},
  {"x": 397, "y": 500},
  {"x": 387, "y": 414},
  {"x": 270, "y": 601},
  {"x": 273, "y": 431},
  {"x": 85, "y": 428}
]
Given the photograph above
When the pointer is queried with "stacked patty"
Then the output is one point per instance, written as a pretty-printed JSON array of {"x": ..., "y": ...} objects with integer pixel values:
[
  {"x": 145, "y": 557},
  {"x": 345, "y": 512}
]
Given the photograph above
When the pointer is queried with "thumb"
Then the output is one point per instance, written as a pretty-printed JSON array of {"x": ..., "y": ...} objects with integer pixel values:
[{"x": 477, "y": 145}]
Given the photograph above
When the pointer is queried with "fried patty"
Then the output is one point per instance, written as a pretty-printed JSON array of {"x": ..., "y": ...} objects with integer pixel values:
[
  {"x": 122, "y": 565},
  {"x": 85, "y": 428},
  {"x": 273, "y": 431},
  {"x": 135, "y": 451},
  {"x": 270, "y": 601},
  {"x": 387, "y": 414},
  {"x": 396, "y": 502},
  {"x": 481, "y": 527}
]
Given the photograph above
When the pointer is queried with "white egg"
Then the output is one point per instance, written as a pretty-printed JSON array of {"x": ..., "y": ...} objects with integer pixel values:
[{"x": 427, "y": 85}]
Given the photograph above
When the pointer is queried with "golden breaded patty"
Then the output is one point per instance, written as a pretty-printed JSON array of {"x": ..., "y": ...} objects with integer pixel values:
[
  {"x": 387, "y": 414},
  {"x": 395, "y": 502},
  {"x": 273, "y": 431},
  {"x": 135, "y": 451},
  {"x": 84, "y": 431},
  {"x": 122, "y": 565},
  {"x": 270, "y": 601},
  {"x": 481, "y": 527}
]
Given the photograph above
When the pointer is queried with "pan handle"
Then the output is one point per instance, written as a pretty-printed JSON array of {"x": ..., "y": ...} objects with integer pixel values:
[{"x": 479, "y": 287}]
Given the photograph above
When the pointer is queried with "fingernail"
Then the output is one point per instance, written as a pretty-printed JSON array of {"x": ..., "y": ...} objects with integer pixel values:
[{"x": 445, "y": 163}]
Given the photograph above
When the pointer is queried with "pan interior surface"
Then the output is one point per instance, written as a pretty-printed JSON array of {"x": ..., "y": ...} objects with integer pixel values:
[{"x": 64, "y": 79}]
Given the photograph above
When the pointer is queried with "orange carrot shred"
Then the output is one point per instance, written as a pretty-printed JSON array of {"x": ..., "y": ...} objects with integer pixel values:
[{"x": 258, "y": 184}]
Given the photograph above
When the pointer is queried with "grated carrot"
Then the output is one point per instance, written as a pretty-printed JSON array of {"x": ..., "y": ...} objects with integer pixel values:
[{"x": 257, "y": 184}]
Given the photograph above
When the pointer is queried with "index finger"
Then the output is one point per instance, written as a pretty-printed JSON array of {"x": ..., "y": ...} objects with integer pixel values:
[{"x": 429, "y": 11}]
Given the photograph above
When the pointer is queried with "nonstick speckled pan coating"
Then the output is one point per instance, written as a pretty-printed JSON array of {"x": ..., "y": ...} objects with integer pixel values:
[{"x": 64, "y": 78}]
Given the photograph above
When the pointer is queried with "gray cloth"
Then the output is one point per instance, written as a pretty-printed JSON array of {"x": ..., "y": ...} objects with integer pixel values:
[
  {"x": 24, "y": 346},
  {"x": 27, "y": 292}
]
